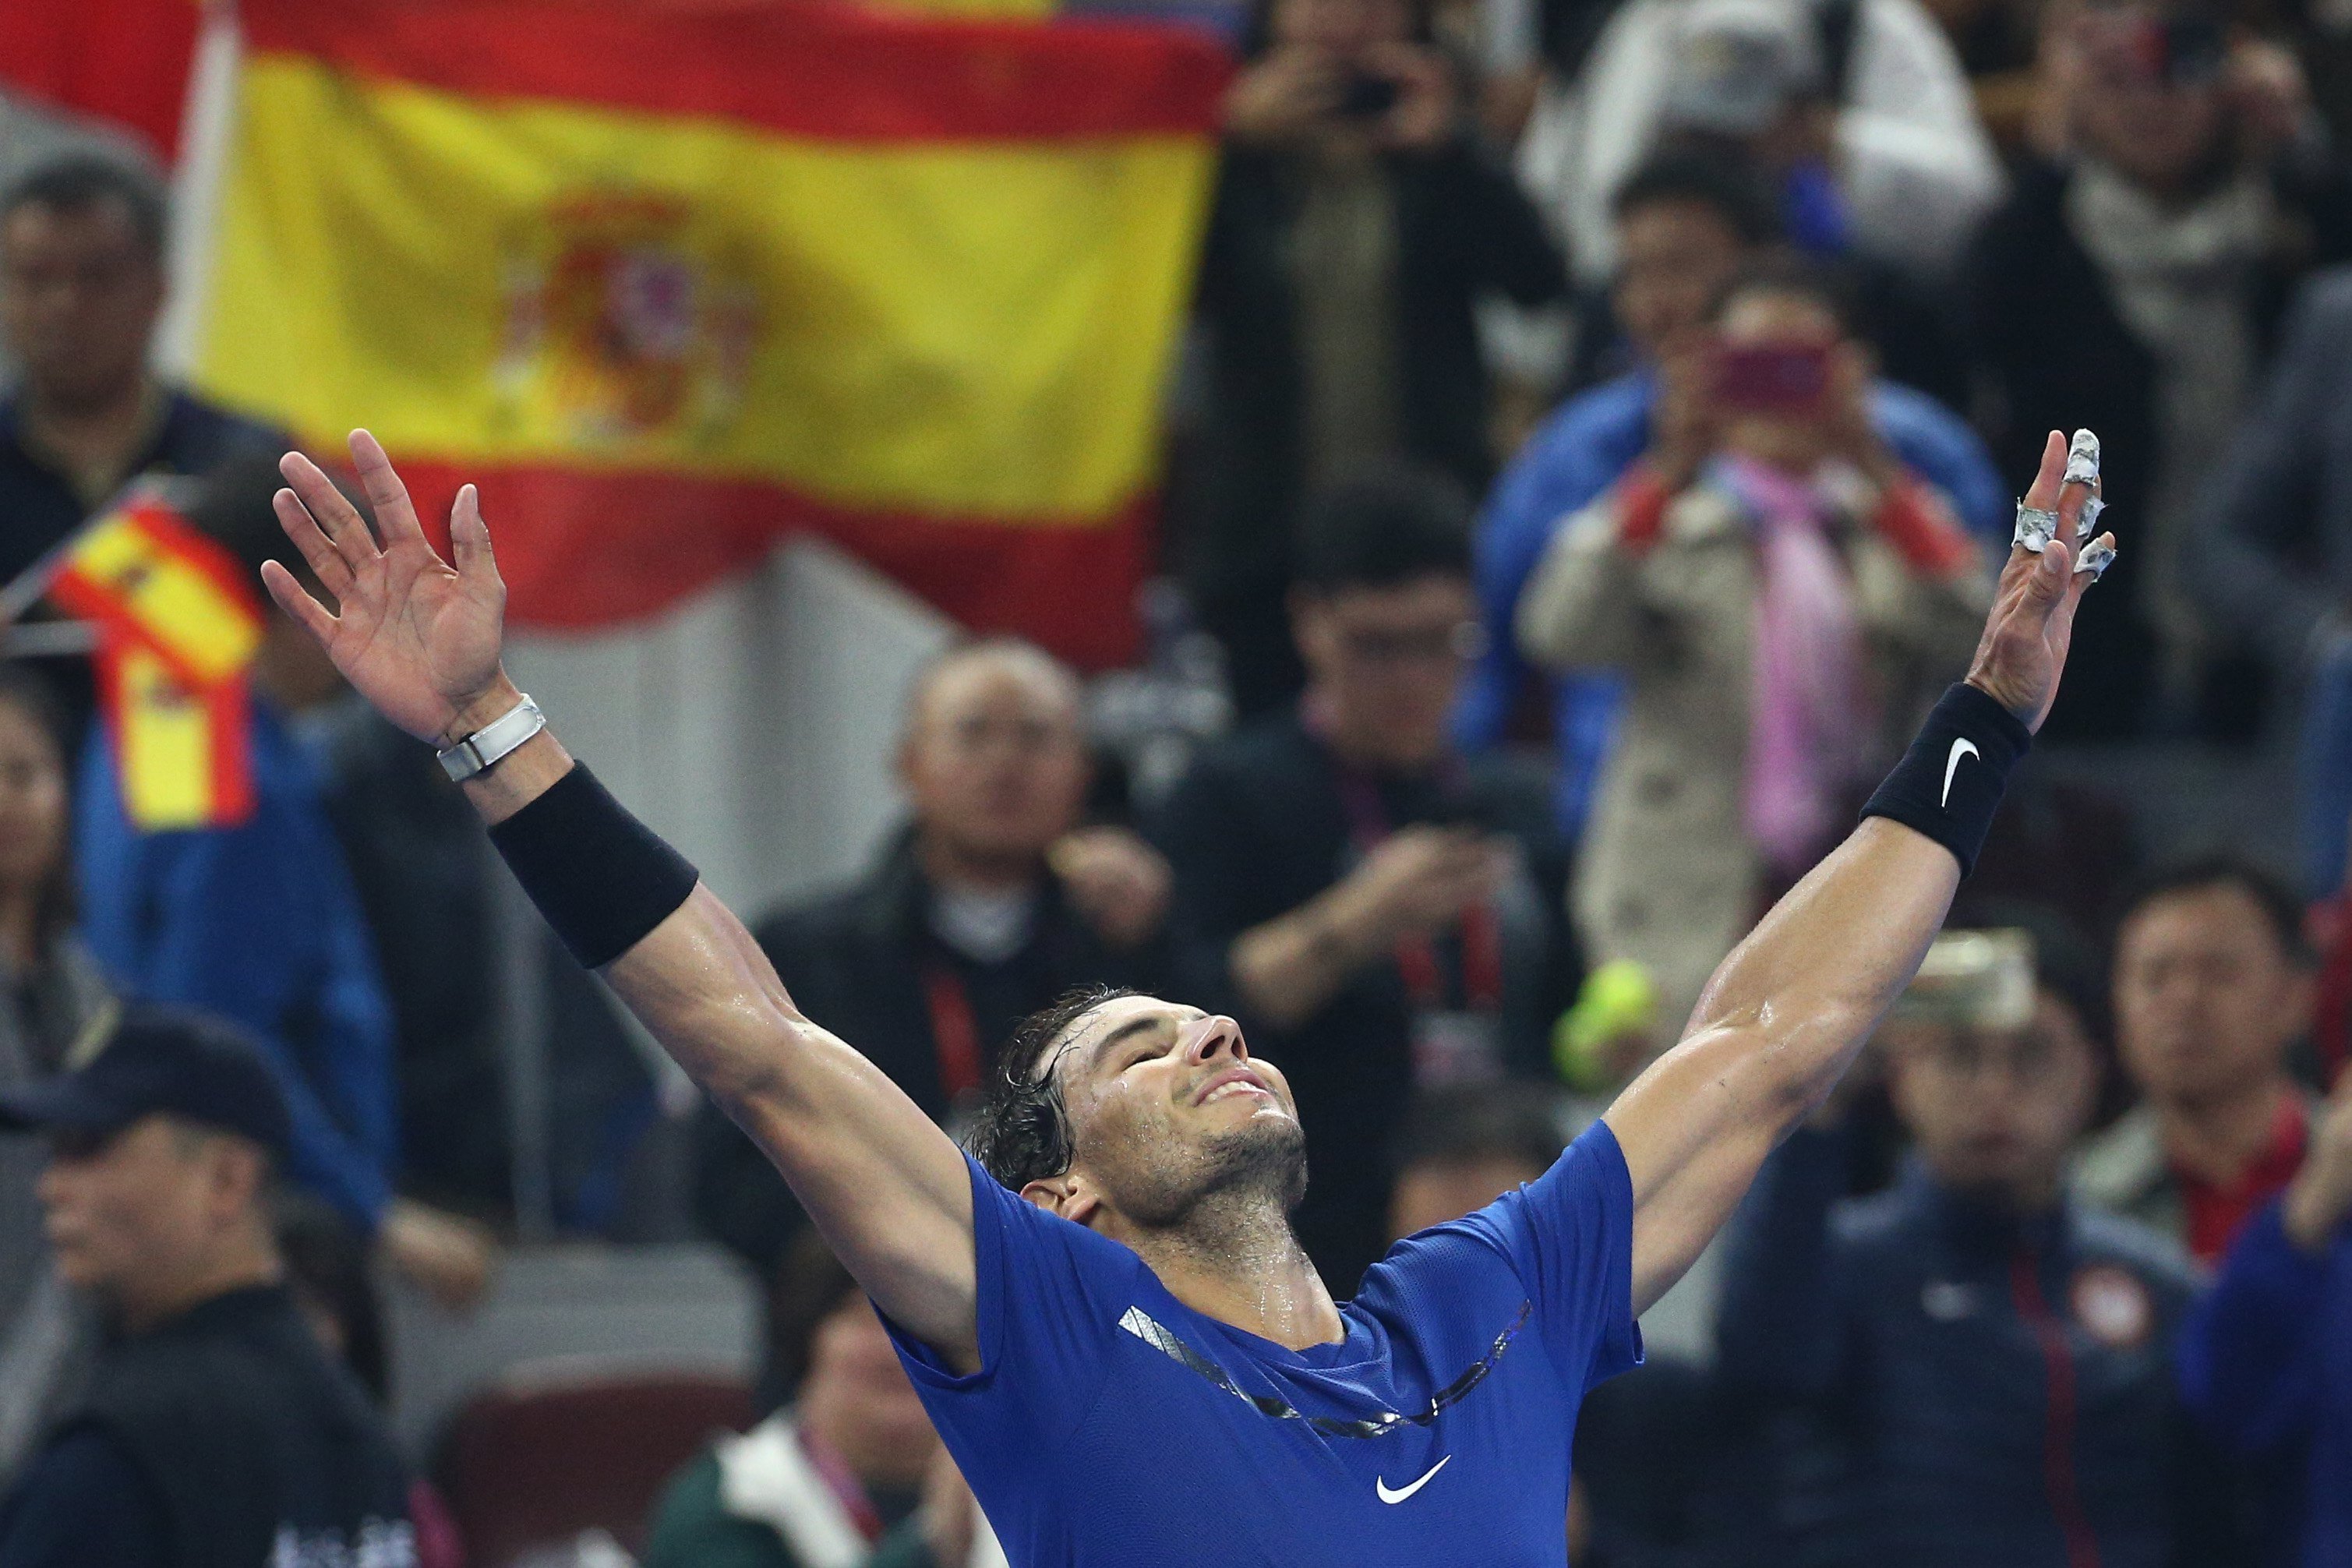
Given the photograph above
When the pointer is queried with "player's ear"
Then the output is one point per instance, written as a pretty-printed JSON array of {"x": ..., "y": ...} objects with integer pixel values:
[{"x": 1068, "y": 1195}]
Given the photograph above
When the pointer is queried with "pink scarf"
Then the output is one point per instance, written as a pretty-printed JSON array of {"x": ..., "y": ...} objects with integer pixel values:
[{"x": 1807, "y": 711}]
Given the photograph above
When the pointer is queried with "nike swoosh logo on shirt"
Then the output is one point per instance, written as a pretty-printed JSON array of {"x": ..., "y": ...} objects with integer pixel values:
[
  {"x": 1381, "y": 1486},
  {"x": 1951, "y": 766}
]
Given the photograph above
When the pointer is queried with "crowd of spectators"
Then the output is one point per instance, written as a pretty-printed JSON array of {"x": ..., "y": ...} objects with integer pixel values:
[{"x": 1594, "y": 451}]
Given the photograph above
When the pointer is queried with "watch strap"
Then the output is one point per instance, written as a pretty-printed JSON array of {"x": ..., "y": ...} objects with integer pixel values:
[{"x": 481, "y": 750}]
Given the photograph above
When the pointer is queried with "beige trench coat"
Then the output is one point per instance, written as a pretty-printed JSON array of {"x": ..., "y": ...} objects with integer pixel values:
[{"x": 1666, "y": 875}]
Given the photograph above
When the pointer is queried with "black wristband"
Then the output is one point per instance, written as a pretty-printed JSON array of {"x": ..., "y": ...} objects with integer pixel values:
[
  {"x": 1949, "y": 783},
  {"x": 601, "y": 877}
]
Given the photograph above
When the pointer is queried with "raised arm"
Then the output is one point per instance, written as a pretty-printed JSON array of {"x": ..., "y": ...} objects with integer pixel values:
[
  {"x": 420, "y": 639},
  {"x": 1784, "y": 1015}
]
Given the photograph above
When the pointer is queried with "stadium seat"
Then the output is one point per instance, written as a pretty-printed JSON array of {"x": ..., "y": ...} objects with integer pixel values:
[{"x": 548, "y": 1454}]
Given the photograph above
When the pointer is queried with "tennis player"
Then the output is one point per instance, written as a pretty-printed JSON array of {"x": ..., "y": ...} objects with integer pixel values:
[{"x": 1105, "y": 1311}]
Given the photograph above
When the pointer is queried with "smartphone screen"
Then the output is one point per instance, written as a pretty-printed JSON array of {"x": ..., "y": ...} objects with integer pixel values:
[{"x": 1772, "y": 378}]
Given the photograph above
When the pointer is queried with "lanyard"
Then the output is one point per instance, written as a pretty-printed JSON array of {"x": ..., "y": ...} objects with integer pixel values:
[
  {"x": 843, "y": 1483},
  {"x": 955, "y": 1030},
  {"x": 1416, "y": 956}
]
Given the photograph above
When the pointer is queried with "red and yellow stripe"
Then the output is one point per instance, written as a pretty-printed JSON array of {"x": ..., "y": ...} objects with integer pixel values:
[{"x": 672, "y": 282}]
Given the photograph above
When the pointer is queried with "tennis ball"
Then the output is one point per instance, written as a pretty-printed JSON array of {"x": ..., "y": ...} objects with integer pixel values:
[{"x": 1618, "y": 999}]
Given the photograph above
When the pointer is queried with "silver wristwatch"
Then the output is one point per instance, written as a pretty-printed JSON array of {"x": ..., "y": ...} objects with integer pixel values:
[{"x": 477, "y": 752}]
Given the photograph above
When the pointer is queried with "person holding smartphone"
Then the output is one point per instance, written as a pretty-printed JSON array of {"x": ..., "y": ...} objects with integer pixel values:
[
  {"x": 1359, "y": 218},
  {"x": 1783, "y": 597}
]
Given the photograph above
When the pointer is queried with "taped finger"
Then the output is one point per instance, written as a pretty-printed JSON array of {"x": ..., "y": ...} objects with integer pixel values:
[
  {"x": 2083, "y": 460},
  {"x": 2036, "y": 527},
  {"x": 2097, "y": 557}
]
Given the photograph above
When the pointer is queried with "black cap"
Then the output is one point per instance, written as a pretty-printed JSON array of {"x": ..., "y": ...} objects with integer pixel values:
[{"x": 160, "y": 1060}]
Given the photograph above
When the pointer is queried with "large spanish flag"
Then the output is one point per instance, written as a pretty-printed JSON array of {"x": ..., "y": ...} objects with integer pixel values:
[{"x": 669, "y": 281}]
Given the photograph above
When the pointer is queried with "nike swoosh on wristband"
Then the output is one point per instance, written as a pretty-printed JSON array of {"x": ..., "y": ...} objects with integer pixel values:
[
  {"x": 1951, "y": 766},
  {"x": 1381, "y": 1486}
]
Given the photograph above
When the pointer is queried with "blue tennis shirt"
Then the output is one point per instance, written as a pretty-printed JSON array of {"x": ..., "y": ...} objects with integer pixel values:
[{"x": 1109, "y": 1424}]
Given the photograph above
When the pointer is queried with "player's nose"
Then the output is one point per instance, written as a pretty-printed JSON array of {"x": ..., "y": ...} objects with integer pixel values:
[{"x": 1216, "y": 1035}]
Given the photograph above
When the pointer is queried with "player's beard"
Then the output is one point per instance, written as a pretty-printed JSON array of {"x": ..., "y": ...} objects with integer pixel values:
[
  {"x": 1261, "y": 1159},
  {"x": 1260, "y": 1165}
]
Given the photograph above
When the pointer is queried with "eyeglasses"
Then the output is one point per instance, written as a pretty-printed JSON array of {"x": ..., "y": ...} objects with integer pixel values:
[{"x": 2028, "y": 1058}]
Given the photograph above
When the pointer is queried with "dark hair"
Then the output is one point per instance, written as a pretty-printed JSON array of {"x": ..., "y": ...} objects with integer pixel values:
[
  {"x": 2281, "y": 910},
  {"x": 32, "y": 696},
  {"x": 1784, "y": 271},
  {"x": 1380, "y": 527},
  {"x": 327, "y": 1262},
  {"x": 1466, "y": 1124},
  {"x": 79, "y": 181},
  {"x": 1257, "y": 25},
  {"x": 1023, "y": 1132},
  {"x": 2067, "y": 962},
  {"x": 1722, "y": 181},
  {"x": 810, "y": 1284}
]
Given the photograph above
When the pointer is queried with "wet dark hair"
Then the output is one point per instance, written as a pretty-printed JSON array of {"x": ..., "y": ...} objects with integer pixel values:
[
  {"x": 32, "y": 695},
  {"x": 1468, "y": 1124},
  {"x": 1722, "y": 182},
  {"x": 79, "y": 181},
  {"x": 1382, "y": 526},
  {"x": 2281, "y": 910},
  {"x": 1022, "y": 1132}
]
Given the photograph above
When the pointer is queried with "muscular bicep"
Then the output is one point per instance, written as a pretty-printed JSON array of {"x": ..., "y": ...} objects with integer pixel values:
[{"x": 887, "y": 1188}]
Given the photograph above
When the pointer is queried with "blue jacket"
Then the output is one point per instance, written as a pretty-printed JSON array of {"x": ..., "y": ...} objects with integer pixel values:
[
  {"x": 258, "y": 923},
  {"x": 1955, "y": 1388},
  {"x": 1579, "y": 453},
  {"x": 2266, "y": 1361}
]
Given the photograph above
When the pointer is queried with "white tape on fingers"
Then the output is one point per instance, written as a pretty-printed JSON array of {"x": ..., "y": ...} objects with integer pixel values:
[
  {"x": 2088, "y": 523},
  {"x": 2036, "y": 527},
  {"x": 2082, "y": 459},
  {"x": 2095, "y": 559}
]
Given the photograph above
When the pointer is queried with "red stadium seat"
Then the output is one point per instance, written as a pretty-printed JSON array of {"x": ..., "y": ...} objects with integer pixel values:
[{"x": 549, "y": 1453}]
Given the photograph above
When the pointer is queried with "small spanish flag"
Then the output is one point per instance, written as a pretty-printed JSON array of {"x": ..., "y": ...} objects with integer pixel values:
[
  {"x": 178, "y": 630},
  {"x": 146, "y": 575}
]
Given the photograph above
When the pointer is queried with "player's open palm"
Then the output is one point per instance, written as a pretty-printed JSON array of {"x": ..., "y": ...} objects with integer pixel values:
[
  {"x": 416, "y": 636},
  {"x": 2023, "y": 650}
]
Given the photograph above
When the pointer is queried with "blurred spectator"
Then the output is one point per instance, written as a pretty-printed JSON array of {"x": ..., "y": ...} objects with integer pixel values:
[
  {"x": 1903, "y": 111},
  {"x": 845, "y": 1472},
  {"x": 1358, "y": 220},
  {"x": 2212, "y": 988},
  {"x": 1465, "y": 1145},
  {"x": 216, "y": 1431},
  {"x": 259, "y": 923},
  {"x": 1998, "y": 43},
  {"x": 991, "y": 903},
  {"x": 1750, "y": 74},
  {"x": 2270, "y": 557},
  {"x": 1688, "y": 225},
  {"x": 2267, "y": 1355},
  {"x": 2161, "y": 254},
  {"x": 1781, "y": 595},
  {"x": 82, "y": 283},
  {"x": 422, "y": 872},
  {"x": 326, "y": 1264},
  {"x": 1378, "y": 908},
  {"x": 54, "y": 1009},
  {"x": 1974, "y": 1371}
]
